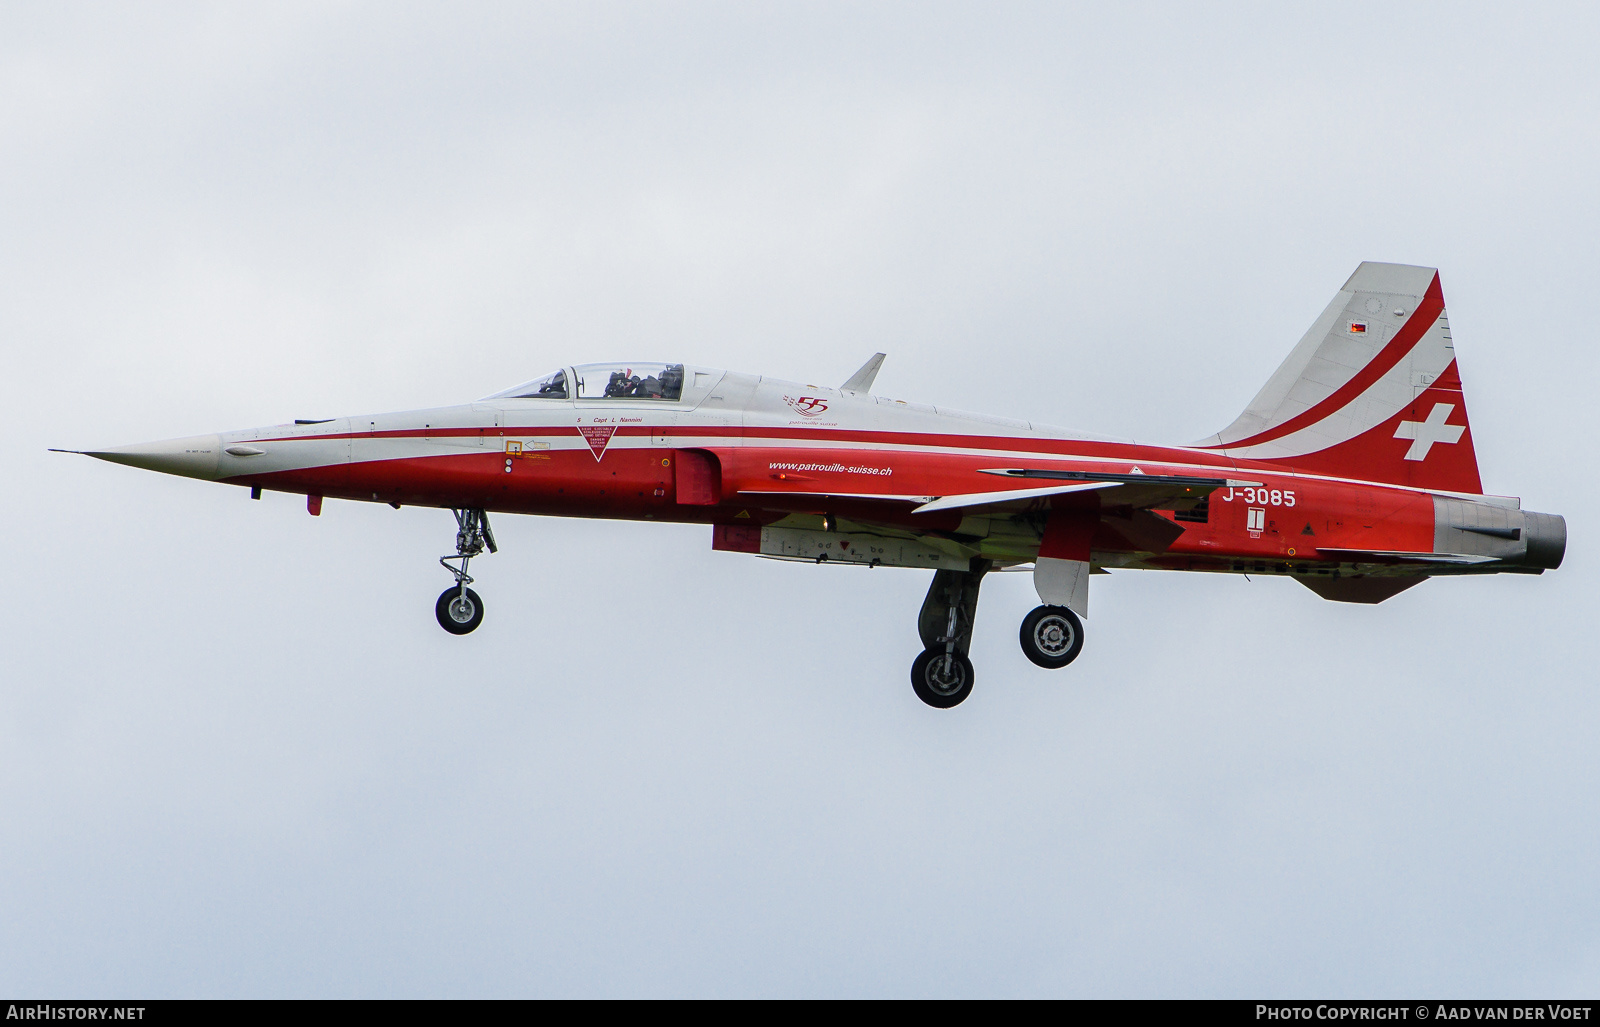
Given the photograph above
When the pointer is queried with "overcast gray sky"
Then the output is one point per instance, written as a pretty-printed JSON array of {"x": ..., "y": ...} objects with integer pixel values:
[{"x": 239, "y": 758}]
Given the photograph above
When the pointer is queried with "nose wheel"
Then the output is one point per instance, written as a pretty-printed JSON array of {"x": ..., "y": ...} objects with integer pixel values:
[
  {"x": 459, "y": 609},
  {"x": 1052, "y": 636}
]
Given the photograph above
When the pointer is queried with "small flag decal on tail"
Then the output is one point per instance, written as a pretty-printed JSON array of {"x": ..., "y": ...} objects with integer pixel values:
[{"x": 1358, "y": 327}]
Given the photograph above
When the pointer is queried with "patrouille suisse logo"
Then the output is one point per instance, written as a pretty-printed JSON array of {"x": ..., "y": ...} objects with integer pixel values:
[{"x": 808, "y": 406}]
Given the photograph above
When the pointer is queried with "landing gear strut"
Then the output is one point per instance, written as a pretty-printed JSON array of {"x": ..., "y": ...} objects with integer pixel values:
[
  {"x": 459, "y": 609},
  {"x": 942, "y": 676}
]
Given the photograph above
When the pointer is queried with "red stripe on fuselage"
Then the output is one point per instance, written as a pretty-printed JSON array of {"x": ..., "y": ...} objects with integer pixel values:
[{"x": 756, "y": 435}]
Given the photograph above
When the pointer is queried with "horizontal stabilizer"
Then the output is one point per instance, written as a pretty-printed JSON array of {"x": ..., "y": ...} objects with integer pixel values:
[{"x": 1360, "y": 589}]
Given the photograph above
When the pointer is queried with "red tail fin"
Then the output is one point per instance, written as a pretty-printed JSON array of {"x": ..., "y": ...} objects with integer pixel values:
[{"x": 1371, "y": 392}]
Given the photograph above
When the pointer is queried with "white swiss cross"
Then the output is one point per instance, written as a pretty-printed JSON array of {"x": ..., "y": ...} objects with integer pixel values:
[{"x": 1423, "y": 434}]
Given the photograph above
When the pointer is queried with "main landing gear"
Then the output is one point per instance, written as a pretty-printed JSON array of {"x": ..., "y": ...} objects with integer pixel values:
[
  {"x": 459, "y": 609},
  {"x": 1052, "y": 636},
  {"x": 942, "y": 675}
]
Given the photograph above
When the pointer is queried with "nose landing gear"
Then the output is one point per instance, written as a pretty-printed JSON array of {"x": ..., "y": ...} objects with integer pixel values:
[{"x": 459, "y": 610}]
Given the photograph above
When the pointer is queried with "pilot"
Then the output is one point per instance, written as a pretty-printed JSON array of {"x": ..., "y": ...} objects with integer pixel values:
[{"x": 672, "y": 382}]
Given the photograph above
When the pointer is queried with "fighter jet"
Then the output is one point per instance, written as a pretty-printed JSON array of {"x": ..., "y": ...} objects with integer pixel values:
[{"x": 1352, "y": 472}]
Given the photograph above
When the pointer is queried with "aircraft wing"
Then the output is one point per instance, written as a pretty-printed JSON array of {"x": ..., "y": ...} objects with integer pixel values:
[
  {"x": 1140, "y": 491},
  {"x": 885, "y": 497}
]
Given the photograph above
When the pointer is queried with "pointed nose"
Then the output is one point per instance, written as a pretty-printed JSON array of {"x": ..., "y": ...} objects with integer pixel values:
[{"x": 194, "y": 457}]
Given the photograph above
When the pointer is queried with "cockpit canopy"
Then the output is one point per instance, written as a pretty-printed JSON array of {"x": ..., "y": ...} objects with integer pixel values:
[
  {"x": 625, "y": 381},
  {"x": 551, "y": 386},
  {"x": 662, "y": 382}
]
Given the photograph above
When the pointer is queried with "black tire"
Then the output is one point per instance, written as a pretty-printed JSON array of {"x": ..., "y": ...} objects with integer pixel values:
[
  {"x": 458, "y": 618},
  {"x": 933, "y": 686},
  {"x": 1052, "y": 636}
]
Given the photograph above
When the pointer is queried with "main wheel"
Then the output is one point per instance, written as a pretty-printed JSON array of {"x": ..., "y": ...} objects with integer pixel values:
[
  {"x": 939, "y": 683},
  {"x": 1052, "y": 636},
  {"x": 457, "y": 613}
]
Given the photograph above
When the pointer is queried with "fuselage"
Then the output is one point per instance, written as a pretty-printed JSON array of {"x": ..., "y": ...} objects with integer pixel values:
[
  {"x": 745, "y": 452},
  {"x": 1352, "y": 470}
]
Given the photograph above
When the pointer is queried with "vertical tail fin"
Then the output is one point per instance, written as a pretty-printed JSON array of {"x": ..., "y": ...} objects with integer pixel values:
[{"x": 1371, "y": 392}]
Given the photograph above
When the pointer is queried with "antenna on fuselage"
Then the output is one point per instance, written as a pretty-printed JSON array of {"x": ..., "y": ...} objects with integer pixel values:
[{"x": 861, "y": 381}]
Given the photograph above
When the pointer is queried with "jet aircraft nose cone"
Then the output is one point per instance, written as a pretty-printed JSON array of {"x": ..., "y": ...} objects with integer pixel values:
[{"x": 195, "y": 457}]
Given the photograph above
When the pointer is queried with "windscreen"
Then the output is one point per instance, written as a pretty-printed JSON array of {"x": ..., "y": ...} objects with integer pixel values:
[{"x": 551, "y": 386}]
